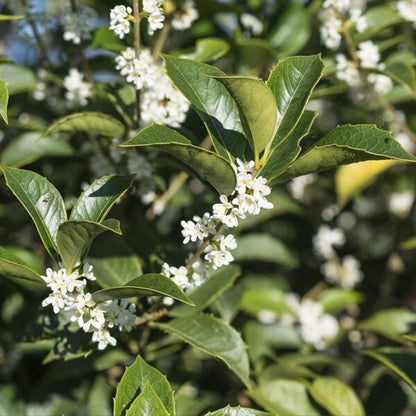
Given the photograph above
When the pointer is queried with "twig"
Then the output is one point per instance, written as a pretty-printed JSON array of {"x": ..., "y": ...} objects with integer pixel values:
[{"x": 136, "y": 24}]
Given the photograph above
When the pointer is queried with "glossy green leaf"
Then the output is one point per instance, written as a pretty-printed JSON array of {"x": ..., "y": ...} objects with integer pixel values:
[
  {"x": 114, "y": 262},
  {"x": 237, "y": 411},
  {"x": 257, "y": 107},
  {"x": 288, "y": 149},
  {"x": 27, "y": 148},
  {"x": 96, "y": 201},
  {"x": 19, "y": 78},
  {"x": 347, "y": 144},
  {"x": 226, "y": 345},
  {"x": 4, "y": 99},
  {"x": 209, "y": 167},
  {"x": 41, "y": 200},
  {"x": 75, "y": 237},
  {"x": 208, "y": 49},
  {"x": 401, "y": 362},
  {"x": 5, "y": 17},
  {"x": 147, "y": 404},
  {"x": 292, "y": 82},
  {"x": 336, "y": 397},
  {"x": 13, "y": 267},
  {"x": 284, "y": 397},
  {"x": 334, "y": 300},
  {"x": 391, "y": 323},
  {"x": 151, "y": 284},
  {"x": 90, "y": 122},
  {"x": 291, "y": 30},
  {"x": 134, "y": 380},
  {"x": 212, "y": 102},
  {"x": 264, "y": 247},
  {"x": 202, "y": 296}
]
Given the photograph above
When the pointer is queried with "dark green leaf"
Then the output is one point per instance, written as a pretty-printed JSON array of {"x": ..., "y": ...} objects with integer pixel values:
[
  {"x": 4, "y": 99},
  {"x": 212, "y": 102},
  {"x": 226, "y": 345},
  {"x": 75, "y": 237},
  {"x": 145, "y": 285},
  {"x": 147, "y": 404},
  {"x": 41, "y": 200},
  {"x": 237, "y": 411},
  {"x": 134, "y": 380},
  {"x": 209, "y": 167},
  {"x": 90, "y": 122},
  {"x": 96, "y": 201}
]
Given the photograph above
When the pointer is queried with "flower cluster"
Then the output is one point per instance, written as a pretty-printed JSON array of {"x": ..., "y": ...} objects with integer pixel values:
[
  {"x": 78, "y": 26},
  {"x": 68, "y": 294},
  {"x": 119, "y": 20},
  {"x": 155, "y": 16},
  {"x": 407, "y": 9},
  {"x": 185, "y": 15},
  {"x": 77, "y": 89}
]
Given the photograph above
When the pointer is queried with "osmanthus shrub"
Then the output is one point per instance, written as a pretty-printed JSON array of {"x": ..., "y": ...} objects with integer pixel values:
[{"x": 97, "y": 294}]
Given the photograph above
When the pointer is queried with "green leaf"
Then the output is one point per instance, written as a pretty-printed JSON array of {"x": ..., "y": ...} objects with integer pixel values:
[
  {"x": 257, "y": 107},
  {"x": 334, "y": 300},
  {"x": 147, "y": 404},
  {"x": 263, "y": 247},
  {"x": 4, "y": 99},
  {"x": 336, "y": 397},
  {"x": 134, "y": 379},
  {"x": 218, "y": 282},
  {"x": 284, "y": 397},
  {"x": 90, "y": 122},
  {"x": 291, "y": 31},
  {"x": 96, "y": 201},
  {"x": 104, "y": 38},
  {"x": 226, "y": 345},
  {"x": 401, "y": 362},
  {"x": 12, "y": 267},
  {"x": 259, "y": 299},
  {"x": 212, "y": 102},
  {"x": 99, "y": 397},
  {"x": 237, "y": 411},
  {"x": 114, "y": 262},
  {"x": 5, "y": 17},
  {"x": 391, "y": 323},
  {"x": 27, "y": 148},
  {"x": 292, "y": 82},
  {"x": 75, "y": 237},
  {"x": 208, "y": 49},
  {"x": 209, "y": 167},
  {"x": 145, "y": 285},
  {"x": 41, "y": 200},
  {"x": 288, "y": 149},
  {"x": 347, "y": 144},
  {"x": 404, "y": 74},
  {"x": 19, "y": 78}
]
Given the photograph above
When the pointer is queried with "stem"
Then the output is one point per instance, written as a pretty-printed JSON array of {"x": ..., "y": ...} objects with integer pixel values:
[
  {"x": 120, "y": 110},
  {"x": 161, "y": 40},
  {"x": 136, "y": 24}
]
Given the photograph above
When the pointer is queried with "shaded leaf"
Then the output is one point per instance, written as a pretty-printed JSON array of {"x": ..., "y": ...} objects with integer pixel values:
[
  {"x": 99, "y": 398},
  {"x": 135, "y": 379},
  {"x": 334, "y": 300},
  {"x": 96, "y": 201},
  {"x": 209, "y": 167},
  {"x": 237, "y": 411},
  {"x": 41, "y": 200},
  {"x": 208, "y": 49},
  {"x": 404, "y": 74},
  {"x": 147, "y": 404},
  {"x": 226, "y": 345},
  {"x": 150, "y": 284},
  {"x": 90, "y": 122},
  {"x": 19, "y": 78},
  {"x": 4, "y": 99}
]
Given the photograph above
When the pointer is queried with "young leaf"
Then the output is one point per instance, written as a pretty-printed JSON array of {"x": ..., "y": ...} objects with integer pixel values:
[
  {"x": 27, "y": 148},
  {"x": 215, "y": 337},
  {"x": 336, "y": 397},
  {"x": 347, "y": 144},
  {"x": 257, "y": 107},
  {"x": 292, "y": 82},
  {"x": 146, "y": 285},
  {"x": 4, "y": 17},
  {"x": 90, "y": 122},
  {"x": 4, "y": 99},
  {"x": 202, "y": 296},
  {"x": 134, "y": 380},
  {"x": 284, "y": 397},
  {"x": 212, "y": 102},
  {"x": 96, "y": 201},
  {"x": 237, "y": 411},
  {"x": 401, "y": 362},
  {"x": 147, "y": 404},
  {"x": 41, "y": 200},
  {"x": 210, "y": 167},
  {"x": 75, "y": 237},
  {"x": 12, "y": 267}
]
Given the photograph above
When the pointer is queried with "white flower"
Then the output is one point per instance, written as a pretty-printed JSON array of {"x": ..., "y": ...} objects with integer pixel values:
[
  {"x": 178, "y": 274},
  {"x": 330, "y": 29},
  {"x": 407, "y": 9},
  {"x": 252, "y": 23},
  {"x": 78, "y": 26},
  {"x": 400, "y": 203},
  {"x": 78, "y": 90},
  {"x": 119, "y": 22},
  {"x": 103, "y": 338},
  {"x": 381, "y": 83},
  {"x": 369, "y": 54},
  {"x": 346, "y": 274},
  {"x": 360, "y": 21},
  {"x": 326, "y": 239},
  {"x": 297, "y": 186},
  {"x": 226, "y": 212},
  {"x": 218, "y": 258},
  {"x": 185, "y": 15},
  {"x": 347, "y": 71},
  {"x": 155, "y": 16}
]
